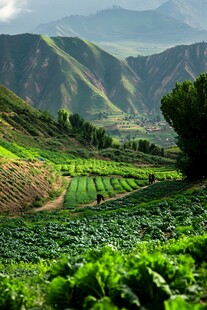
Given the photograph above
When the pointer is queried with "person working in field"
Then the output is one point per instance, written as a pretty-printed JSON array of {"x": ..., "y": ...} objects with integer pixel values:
[
  {"x": 151, "y": 178},
  {"x": 99, "y": 197}
]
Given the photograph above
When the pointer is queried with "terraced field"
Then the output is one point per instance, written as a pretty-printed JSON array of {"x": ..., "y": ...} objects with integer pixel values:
[{"x": 26, "y": 183}]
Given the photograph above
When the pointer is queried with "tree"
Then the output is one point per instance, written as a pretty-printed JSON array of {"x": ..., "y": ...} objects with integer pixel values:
[
  {"x": 76, "y": 121},
  {"x": 143, "y": 146},
  {"x": 88, "y": 130},
  {"x": 185, "y": 109},
  {"x": 63, "y": 117}
]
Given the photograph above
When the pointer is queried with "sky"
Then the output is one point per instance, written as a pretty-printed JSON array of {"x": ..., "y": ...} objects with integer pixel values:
[{"x": 23, "y": 15}]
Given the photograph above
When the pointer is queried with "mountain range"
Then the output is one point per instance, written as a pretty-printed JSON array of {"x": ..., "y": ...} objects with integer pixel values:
[
  {"x": 50, "y": 73},
  {"x": 119, "y": 24},
  {"x": 63, "y": 72}
]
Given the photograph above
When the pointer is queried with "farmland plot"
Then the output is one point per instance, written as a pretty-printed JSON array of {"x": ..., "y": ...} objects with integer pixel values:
[
  {"x": 168, "y": 216},
  {"x": 84, "y": 190},
  {"x": 105, "y": 168},
  {"x": 123, "y": 224}
]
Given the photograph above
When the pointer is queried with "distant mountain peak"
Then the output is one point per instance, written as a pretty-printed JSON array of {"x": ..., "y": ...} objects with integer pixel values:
[{"x": 191, "y": 12}]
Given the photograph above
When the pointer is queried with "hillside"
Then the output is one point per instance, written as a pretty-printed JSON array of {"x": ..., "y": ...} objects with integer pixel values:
[
  {"x": 45, "y": 72},
  {"x": 54, "y": 73},
  {"x": 193, "y": 14},
  {"x": 24, "y": 184},
  {"x": 160, "y": 72},
  {"x": 22, "y": 124},
  {"x": 27, "y": 179}
]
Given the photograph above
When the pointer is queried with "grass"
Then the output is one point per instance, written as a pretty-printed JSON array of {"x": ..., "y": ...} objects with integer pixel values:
[{"x": 6, "y": 153}]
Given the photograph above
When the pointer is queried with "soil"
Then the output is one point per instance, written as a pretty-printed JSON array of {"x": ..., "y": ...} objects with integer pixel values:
[
  {"x": 55, "y": 203},
  {"x": 24, "y": 182}
]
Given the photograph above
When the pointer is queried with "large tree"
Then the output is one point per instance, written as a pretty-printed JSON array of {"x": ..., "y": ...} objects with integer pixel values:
[{"x": 185, "y": 109}]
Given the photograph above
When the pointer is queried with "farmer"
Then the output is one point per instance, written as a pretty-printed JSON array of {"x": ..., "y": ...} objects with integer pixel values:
[
  {"x": 150, "y": 178},
  {"x": 99, "y": 197},
  {"x": 153, "y": 178}
]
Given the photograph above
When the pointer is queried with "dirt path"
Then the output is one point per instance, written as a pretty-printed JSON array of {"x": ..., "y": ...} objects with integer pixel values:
[
  {"x": 94, "y": 203},
  {"x": 58, "y": 202},
  {"x": 55, "y": 203}
]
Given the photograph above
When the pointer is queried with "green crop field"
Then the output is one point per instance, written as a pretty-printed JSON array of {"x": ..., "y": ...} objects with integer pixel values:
[
  {"x": 77, "y": 167},
  {"x": 146, "y": 250},
  {"x": 84, "y": 190},
  {"x": 143, "y": 250}
]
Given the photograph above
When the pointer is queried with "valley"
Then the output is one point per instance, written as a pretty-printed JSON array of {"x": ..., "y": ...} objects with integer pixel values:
[
  {"x": 125, "y": 127},
  {"x": 113, "y": 105},
  {"x": 56, "y": 240}
]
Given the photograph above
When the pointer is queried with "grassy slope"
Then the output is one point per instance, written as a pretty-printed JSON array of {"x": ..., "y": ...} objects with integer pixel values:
[
  {"x": 23, "y": 124},
  {"x": 43, "y": 72},
  {"x": 116, "y": 78}
]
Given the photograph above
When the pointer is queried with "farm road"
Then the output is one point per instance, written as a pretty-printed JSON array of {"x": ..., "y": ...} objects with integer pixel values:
[
  {"x": 55, "y": 203},
  {"x": 58, "y": 202}
]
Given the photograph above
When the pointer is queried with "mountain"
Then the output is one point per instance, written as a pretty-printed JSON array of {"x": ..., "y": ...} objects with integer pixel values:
[
  {"x": 188, "y": 11},
  {"x": 22, "y": 16},
  {"x": 160, "y": 72},
  {"x": 119, "y": 24},
  {"x": 52, "y": 73}
]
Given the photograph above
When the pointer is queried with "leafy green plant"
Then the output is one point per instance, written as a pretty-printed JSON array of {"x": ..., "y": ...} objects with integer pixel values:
[
  {"x": 179, "y": 303},
  {"x": 14, "y": 294}
]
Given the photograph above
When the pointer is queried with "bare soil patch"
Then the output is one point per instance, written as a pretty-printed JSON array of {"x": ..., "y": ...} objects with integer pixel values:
[{"x": 22, "y": 182}]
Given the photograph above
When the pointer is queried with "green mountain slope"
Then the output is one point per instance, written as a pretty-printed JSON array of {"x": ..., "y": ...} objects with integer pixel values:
[
  {"x": 22, "y": 124},
  {"x": 160, "y": 72},
  {"x": 42, "y": 71},
  {"x": 54, "y": 73}
]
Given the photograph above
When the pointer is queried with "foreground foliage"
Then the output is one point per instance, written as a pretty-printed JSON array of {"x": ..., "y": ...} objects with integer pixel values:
[{"x": 170, "y": 277}]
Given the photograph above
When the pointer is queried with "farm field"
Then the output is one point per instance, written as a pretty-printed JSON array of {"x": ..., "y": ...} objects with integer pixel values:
[
  {"x": 156, "y": 235},
  {"x": 108, "y": 168},
  {"x": 151, "y": 241},
  {"x": 84, "y": 190}
]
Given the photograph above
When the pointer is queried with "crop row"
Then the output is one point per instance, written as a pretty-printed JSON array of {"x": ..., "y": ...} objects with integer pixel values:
[
  {"x": 84, "y": 190},
  {"x": 103, "y": 167}
]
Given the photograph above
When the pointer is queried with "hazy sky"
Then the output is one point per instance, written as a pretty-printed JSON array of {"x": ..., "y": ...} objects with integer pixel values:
[{"x": 29, "y": 13}]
